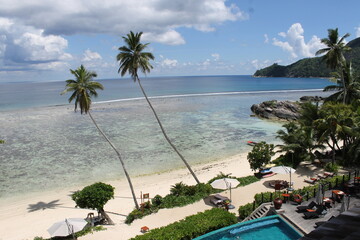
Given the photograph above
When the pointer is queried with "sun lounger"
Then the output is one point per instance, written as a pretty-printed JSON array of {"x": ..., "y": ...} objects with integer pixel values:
[
  {"x": 322, "y": 176},
  {"x": 329, "y": 174},
  {"x": 297, "y": 199},
  {"x": 311, "y": 205},
  {"x": 319, "y": 212},
  {"x": 311, "y": 180},
  {"x": 268, "y": 175},
  {"x": 218, "y": 200}
]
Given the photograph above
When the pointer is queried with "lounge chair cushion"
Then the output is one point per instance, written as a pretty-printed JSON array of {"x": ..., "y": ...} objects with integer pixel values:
[{"x": 311, "y": 205}]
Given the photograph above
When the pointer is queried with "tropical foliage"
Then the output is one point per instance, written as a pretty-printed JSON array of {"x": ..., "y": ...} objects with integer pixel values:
[
  {"x": 192, "y": 226},
  {"x": 260, "y": 155},
  {"x": 95, "y": 196},
  {"x": 132, "y": 58}
]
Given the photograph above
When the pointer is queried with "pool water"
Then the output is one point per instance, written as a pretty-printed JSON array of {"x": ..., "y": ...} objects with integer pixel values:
[{"x": 271, "y": 227}]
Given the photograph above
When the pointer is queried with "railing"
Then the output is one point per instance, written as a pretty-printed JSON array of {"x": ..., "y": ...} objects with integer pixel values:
[{"x": 258, "y": 210}]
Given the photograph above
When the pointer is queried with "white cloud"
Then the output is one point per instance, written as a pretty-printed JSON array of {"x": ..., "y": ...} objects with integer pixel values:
[
  {"x": 168, "y": 63},
  {"x": 91, "y": 56},
  {"x": 216, "y": 56},
  {"x": 357, "y": 34},
  {"x": 157, "y": 18},
  {"x": 295, "y": 43},
  {"x": 170, "y": 37},
  {"x": 257, "y": 64},
  {"x": 266, "y": 38},
  {"x": 24, "y": 47}
]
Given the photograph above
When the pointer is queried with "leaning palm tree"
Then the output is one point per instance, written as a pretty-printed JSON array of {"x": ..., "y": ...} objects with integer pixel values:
[
  {"x": 349, "y": 85},
  {"x": 133, "y": 58},
  {"x": 334, "y": 51},
  {"x": 83, "y": 88}
]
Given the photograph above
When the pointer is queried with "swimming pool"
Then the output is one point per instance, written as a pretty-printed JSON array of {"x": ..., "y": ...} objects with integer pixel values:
[{"x": 271, "y": 227}]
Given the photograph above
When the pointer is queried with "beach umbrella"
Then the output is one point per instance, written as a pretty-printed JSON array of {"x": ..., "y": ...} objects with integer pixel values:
[
  {"x": 319, "y": 195},
  {"x": 225, "y": 183},
  {"x": 283, "y": 170},
  {"x": 67, "y": 227}
]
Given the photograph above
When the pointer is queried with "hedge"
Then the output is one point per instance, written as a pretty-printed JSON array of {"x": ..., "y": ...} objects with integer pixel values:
[{"x": 192, "y": 226}]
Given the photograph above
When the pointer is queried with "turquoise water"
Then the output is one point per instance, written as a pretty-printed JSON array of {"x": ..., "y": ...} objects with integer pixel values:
[
  {"x": 53, "y": 147},
  {"x": 272, "y": 227}
]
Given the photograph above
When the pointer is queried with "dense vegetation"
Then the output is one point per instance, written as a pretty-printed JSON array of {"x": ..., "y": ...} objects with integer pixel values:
[
  {"x": 311, "y": 67},
  {"x": 181, "y": 195},
  {"x": 192, "y": 226}
]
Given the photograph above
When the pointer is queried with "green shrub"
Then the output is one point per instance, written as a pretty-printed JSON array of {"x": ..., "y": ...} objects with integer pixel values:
[
  {"x": 330, "y": 167},
  {"x": 192, "y": 226},
  {"x": 246, "y": 210},
  {"x": 157, "y": 200},
  {"x": 182, "y": 194},
  {"x": 247, "y": 180}
]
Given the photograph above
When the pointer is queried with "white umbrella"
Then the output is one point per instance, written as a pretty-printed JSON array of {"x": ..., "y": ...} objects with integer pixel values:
[
  {"x": 225, "y": 183},
  {"x": 283, "y": 170},
  {"x": 67, "y": 227}
]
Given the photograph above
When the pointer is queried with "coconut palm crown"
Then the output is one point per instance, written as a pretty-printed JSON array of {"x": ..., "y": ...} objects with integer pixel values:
[
  {"x": 335, "y": 48},
  {"x": 132, "y": 58},
  {"x": 83, "y": 88}
]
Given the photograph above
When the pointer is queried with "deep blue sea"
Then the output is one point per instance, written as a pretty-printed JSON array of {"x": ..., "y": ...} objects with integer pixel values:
[
  {"x": 36, "y": 94},
  {"x": 207, "y": 118}
]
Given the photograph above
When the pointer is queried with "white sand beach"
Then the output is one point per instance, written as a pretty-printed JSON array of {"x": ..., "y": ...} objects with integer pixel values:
[{"x": 30, "y": 216}]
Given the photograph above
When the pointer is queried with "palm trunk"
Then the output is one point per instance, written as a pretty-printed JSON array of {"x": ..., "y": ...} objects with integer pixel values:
[
  {"x": 164, "y": 133},
  {"x": 121, "y": 161}
]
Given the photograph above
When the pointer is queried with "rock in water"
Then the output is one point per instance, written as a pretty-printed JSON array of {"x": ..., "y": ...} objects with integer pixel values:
[{"x": 274, "y": 109}]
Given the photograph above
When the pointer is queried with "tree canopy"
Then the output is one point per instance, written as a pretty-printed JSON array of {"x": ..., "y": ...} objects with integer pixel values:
[
  {"x": 94, "y": 196},
  {"x": 260, "y": 155}
]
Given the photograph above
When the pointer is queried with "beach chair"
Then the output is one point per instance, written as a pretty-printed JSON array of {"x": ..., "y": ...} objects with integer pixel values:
[
  {"x": 218, "y": 200},
  {"x": 322, "y": 176},
  {"x": 311, "y": 180},
  {"x": 329, "y": 174},
  {"x": 319, "y": 212},
  {"x": 297, "y": 199},
  {"x": 301, "y": 209}
]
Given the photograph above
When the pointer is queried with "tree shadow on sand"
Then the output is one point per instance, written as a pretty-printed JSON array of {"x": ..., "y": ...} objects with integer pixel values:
[{"x": 43, "y": 206}]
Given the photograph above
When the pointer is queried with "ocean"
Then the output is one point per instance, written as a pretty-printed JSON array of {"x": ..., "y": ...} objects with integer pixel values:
[{"x": 49, "y": 146}]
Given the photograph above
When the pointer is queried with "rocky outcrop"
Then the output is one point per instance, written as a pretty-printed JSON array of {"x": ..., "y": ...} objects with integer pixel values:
[
  {"x": 274, "y": 109},
  {"x": 311, "y": 99}
]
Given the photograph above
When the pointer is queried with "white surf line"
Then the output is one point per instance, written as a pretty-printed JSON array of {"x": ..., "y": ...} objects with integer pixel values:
[{"x": 207, "y": 94}]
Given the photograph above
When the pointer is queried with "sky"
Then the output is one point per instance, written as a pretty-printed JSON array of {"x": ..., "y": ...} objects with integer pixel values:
[{"x": 41, "y": 40}]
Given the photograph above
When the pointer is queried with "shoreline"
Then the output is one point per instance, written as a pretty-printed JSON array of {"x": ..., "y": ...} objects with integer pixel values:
[{"x": 36, "y": 212}]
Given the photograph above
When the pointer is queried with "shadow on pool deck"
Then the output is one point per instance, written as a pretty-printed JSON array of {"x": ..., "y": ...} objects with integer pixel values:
[{"x": 288, "y": 210}]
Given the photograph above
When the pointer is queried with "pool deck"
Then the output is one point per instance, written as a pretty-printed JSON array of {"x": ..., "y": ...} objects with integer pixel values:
[{"x": 288, "y": 210}]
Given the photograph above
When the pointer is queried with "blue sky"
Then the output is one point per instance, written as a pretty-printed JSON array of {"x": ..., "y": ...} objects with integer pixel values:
[{"x": 41, "y": 40}]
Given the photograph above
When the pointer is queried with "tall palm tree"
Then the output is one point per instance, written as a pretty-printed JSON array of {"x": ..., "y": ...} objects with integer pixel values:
[
  {"x": 83, "y": 88},
  {"x": 334, "y": 51},
  {"x": 335, "y": 124},
  {"x": 350, "y": 84},
  {"x": 133, "y": 58}
]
